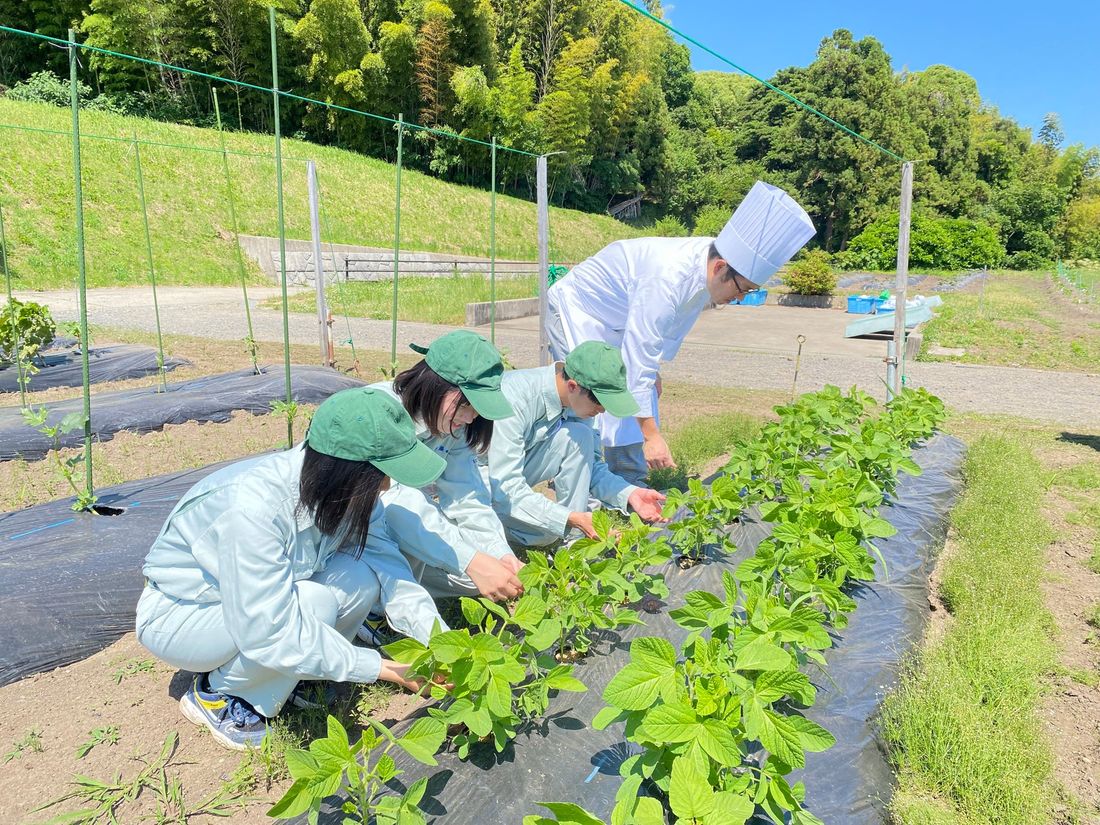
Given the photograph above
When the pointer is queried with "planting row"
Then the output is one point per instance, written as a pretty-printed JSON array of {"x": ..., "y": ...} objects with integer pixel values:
[{"x": 720, "y": 718}]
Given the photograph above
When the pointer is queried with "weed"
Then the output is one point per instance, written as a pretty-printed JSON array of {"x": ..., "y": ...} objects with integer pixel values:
[
  {"x": 967, "y": 733},
  {"x": 133, "y": 667},
  {"x": 1093, "y": 563},
  {"x": 1093, "y": 616},
  {"x": 102, "y": 800},
  {"x": 31, "y": 742},
  {"x": 1088, "y": 678},
  {"x": 98, "y": 736},
  {"x": 373, "y": 698}
]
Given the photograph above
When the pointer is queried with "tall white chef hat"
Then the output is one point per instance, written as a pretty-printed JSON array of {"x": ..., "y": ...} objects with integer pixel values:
[{"x": 765, "y": 232}]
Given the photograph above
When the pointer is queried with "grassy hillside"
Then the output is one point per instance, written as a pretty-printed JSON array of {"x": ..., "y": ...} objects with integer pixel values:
[{"x": 189, "y": 211}]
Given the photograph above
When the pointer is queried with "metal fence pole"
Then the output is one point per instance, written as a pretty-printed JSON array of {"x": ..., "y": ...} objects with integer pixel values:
[
  {"x": 903, "y": 274},
  {"x": 282, "y": 222},
  {"x": 493, "y": 247},
  {"x": 318, "y": 268},
  {"x": 544, "y": 256},
  {"x": 251, "y": 340},
  {"x": 149, "y": 258},
  {"x": 81, "y": 266},
  {"x": 396, "y": 243}
]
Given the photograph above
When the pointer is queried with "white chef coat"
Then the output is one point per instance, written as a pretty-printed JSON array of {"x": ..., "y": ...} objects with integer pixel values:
[{"x": 642, "y": 295}]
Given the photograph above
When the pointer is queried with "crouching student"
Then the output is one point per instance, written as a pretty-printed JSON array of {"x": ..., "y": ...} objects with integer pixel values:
[
  {"x": 265, "y": 569},
  {"x": 544, "y": 440},
  {"x": 448, "y": 531}
]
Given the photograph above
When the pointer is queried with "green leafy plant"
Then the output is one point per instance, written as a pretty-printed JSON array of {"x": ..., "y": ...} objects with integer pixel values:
[
  {"x": 585, "y": 584},
  {"x": 366, "y": 767},
  {"x": 818, "y": 474},
  {"x": 252, "y": 347},
  {"x": 492, "y": 681},
  {"x": 98, "y": 736},
  {"x": 68, "y": 468},
  {"x": 708, "y": 513},
  {"x": 25, "y": 328},
  {"x": 810, "y": 274}
]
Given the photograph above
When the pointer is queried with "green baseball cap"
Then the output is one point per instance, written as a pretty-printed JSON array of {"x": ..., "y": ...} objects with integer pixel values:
[
  {"x": 363, "y": 424},
  {"x": 599, "y": 368},
  {"x": 473, "y": 365}
]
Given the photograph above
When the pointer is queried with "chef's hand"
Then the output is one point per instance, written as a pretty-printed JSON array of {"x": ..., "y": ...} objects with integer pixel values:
[
  {"x": 648, "y": 504},
  {"x": 583, "y": 522},
  {"x": 494, "y": 579},
  {"x": 657, "y": 454}
]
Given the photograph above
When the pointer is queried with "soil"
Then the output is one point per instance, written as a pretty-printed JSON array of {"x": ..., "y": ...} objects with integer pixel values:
[
  {"x": 1071, "y": 709},
  {"x": 66, "y": 704}
]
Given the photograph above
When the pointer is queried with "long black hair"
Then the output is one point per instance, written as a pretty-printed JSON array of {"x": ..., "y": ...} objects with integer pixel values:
[
  {"x": 422, "y": 390},
  {"x": 339, "y": 495}
]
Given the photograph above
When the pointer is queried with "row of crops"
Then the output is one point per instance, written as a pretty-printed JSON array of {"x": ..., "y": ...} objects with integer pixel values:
[{"x": 719, "y": 721}]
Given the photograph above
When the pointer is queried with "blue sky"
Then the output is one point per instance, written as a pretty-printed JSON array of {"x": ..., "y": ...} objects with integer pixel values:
[{"x": 1028, "y": 59}]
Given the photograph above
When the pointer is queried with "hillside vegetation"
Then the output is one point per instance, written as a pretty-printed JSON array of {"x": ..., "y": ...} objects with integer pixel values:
[{"x": 188, "y": 206}]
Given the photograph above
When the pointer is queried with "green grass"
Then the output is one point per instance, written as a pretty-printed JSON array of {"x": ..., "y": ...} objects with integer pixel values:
[
  {"x": 1085, "y": 279},
  {"x": 189, "y": 211},
  {"x": 962, "y": 727},
  {"x": 432, "y": 300},
  {"x": 1015, "y": 324},
  {"x": 699, "y": 441}
]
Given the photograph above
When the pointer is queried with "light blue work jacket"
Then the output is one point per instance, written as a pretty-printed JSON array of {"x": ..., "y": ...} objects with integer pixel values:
[
  {"x": 463, "y": 523},
  {"x": 235, "y": 538}
]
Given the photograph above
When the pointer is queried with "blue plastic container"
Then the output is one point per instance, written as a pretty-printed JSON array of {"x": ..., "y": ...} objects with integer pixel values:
[
  {"x": 756, "y": 298},
  {"x": 860, "y": 305}
]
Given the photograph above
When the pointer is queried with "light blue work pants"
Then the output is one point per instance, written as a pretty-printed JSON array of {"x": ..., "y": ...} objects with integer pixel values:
[{"x": 192, "y": 635}]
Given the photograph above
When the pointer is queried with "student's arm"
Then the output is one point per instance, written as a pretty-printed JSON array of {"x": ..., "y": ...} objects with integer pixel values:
[
  {"x": 512, "y": 495},
  {"x": 408, "y": 606},
  {"x": 465, "y": 500},
  {"x": 260, "y": 603}
]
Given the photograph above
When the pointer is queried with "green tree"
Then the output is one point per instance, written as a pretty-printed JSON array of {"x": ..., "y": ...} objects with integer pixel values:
[
  {"x": 433, "y": 63},
  {"x": 335, "y": 40}
]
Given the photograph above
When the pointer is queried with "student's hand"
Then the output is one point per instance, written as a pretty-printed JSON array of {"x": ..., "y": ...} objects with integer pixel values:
[
  {"x": 657, "y": 454},
  {"x": 648, "y": 504},
  {"x": 583, "y": 522},
  {"x": 657, "y": 385},
  {"x": 395, "y": 672},
  {"x": 512, "y": 563},
  {"x": 494, "y": 579}
]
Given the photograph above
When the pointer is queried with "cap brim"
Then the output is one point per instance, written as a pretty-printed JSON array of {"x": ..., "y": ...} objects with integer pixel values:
[
  {"x": 490, "y": 404},
  {"x": 418, "y": 467},
  {"x": 619, "y": 404}
]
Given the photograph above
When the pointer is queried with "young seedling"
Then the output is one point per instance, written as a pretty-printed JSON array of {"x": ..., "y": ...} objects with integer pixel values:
[
  {"x": 68, "y": 468},
  {"x": 365, "y": 767},
  {"x": 493, "y": 680}
]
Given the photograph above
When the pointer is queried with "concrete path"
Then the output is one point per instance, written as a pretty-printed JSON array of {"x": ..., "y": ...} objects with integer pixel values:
[{"x": 749, "y": 347}]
